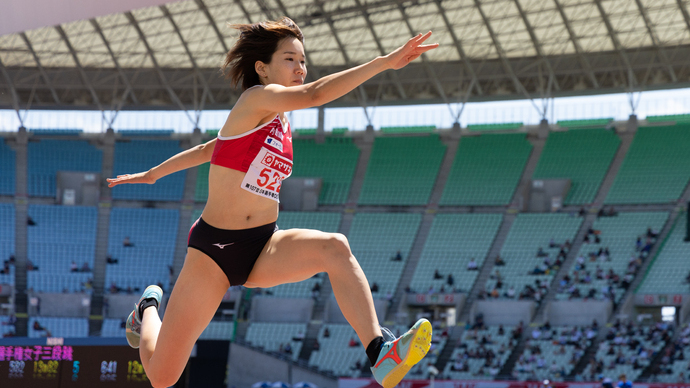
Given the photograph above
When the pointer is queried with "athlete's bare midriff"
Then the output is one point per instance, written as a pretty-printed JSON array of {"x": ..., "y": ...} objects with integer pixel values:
[{"x": 230, "y": 207}]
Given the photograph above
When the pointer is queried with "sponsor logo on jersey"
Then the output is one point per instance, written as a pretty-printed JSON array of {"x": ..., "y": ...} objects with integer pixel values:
[
  {"x": 277, "y": 132},
  {"x": 277, "y": 163},
  {"x": 277, "y": 144}
]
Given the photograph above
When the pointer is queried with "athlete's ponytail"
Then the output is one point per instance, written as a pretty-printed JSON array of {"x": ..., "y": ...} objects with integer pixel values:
[{"x": 257, "y": 42}]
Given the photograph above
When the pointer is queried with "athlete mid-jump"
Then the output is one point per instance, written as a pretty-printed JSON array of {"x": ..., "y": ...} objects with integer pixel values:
[{"x": 236, "y": 241}]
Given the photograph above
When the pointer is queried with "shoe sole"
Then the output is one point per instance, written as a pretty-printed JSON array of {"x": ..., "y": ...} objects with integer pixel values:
[
  {"x": 415, "y": 352},
  {"x": 134, "y": 338}
]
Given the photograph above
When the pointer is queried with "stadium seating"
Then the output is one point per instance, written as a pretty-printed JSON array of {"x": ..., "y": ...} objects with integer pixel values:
[
  {"x": 628, "y": 349},
  {"x": 585, "y": 123},
  {"x": 59, "y": 327},
  {"x": 409, "y": 129},
  {"x": 402, "y": 170},
  {"x": 112, "y": 328},
  {"x": 334, "y": 354},
  {"x": 7, "y": 227},
  {"x": 618, "y": 234},
  {"x": 56, "y": 131},
  {"x": 47, "y": 157},
  {"x": 201, "y": 191},
  {"x": 529, "y": 232},
  {"x": 6, "y": 329},
  {"x": 145, "y": 132},
  {"x": 334, "y": 161},
  {"x": 494, "y": 127},
  {"x": 656, "y": 167},
  {"x": 486, "y": 170},
  {"x": 7, "y": 169},
  {"x": 677, "y": 368},
  {"x": 583, "y": 156},
  {"x": 453, "y": 240},
  {"x": 219, "y": 330},
  {"x": 325, "y": 222},
  {"x": 375, "y": 238},
  {"x": 682, "y": 118},
  {"x": 62, "y": 235},
  {"x": 552, "y": 354},
  {"x": 469, "y": 360},
  {"x": 153, "y": 233},
  {"x": 272, "y": 336},
  {"x": 141, "y": 155},
  {"x": 667, "y": 273}
]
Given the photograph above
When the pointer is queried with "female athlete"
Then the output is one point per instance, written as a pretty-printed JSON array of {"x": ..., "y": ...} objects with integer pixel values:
[{"x": 236, "y": 240}]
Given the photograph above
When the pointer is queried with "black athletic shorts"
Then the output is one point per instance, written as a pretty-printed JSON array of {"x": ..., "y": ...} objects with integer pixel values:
[{"x": 235, "y": 251}]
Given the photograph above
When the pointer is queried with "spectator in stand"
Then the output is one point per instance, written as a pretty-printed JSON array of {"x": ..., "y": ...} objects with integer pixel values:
[
  {"x": 374, "y": 287},
  {"x": 623, "y": 382},
  {"x": 73, "y": 267},
  {"x": 541, "y": 253},
  {"x": 437, "y": 275},
  {"x": 500, "y": 262},
  {"x": 450, "y": 280},
  {"x": 127, "y": 243},
  {"x": 397, "y": 257},
  {"x": 472, "y": 265}
]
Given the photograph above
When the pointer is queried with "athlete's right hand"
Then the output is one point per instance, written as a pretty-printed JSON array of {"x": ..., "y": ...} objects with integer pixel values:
[{"x": 140, "y": 177}]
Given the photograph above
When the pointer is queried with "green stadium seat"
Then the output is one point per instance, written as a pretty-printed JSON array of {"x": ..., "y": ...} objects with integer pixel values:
[
  {"x": 486, "y": 170},
  {"x": 334, "y": 161},
  {"x": 409, "y": 129},
  {"x": 453, "y": 240},
  {"x": 656, "y": 168},
  {"x": 583, "y": 156},
  {"x": 667, "y": 273},
  {"x": 586, "y": 123},
  {"x": 402, "y": 170},
  {"x": 494, "y": 127},
  {"x": 681, "y": 118}
]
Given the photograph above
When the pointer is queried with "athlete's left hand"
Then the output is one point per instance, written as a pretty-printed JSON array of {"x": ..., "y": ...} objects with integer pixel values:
[
  {"x": 409, "y": 51},
  {"x": 140, "y": 177}
]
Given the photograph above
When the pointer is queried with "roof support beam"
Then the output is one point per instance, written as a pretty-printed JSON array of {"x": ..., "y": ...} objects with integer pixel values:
[
  {"x": 458, "y": 46},
  {"x": 537, "y": 44},
  {"x": 425, "y": 61},
  {"x": 632, "y": 80},
  {"x": 40, "y": 68},
  {"x": 77, "y": 62},
  {"x": 204, "y": 84},
  {"x": 506, "y": 65},
  {"x": 348, "y": 62},
  {"x": 655, "y": 41},
  {"x": 129, "y": 89},
  {"x": 210, "y": 19},
  {"x": 393, "y": 74},
  {"x": 684, "y": 11},
  {"x": 171, "y": 92},
  {"x": 13, "y": 91},
  {"x": 576, "y": 44},
  {"x": 285, "y": 12}
]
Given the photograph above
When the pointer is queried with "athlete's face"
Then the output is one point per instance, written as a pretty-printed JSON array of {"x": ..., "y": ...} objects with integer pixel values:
[{"x": 287, "y": 67}]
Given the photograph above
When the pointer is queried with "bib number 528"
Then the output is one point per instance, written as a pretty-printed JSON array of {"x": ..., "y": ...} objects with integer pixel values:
[{"x": 264, "y": 178}]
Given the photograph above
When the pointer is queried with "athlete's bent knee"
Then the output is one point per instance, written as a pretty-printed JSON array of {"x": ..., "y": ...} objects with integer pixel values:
[
  {"x": 163, "y": 379},
  {"x": 339, "y": 252}
]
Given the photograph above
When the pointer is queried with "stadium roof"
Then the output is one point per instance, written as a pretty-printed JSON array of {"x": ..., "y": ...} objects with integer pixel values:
[{"x": 167, "y": 56}]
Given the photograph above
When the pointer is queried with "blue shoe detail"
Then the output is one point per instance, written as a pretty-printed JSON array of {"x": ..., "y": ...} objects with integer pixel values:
[{"x": 133, "y": 325}]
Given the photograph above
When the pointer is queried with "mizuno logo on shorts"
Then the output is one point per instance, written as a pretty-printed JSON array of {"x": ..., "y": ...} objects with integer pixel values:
[{"x": 221, "y": 246}]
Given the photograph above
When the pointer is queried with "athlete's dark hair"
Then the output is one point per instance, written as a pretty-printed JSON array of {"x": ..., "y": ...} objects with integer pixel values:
[{"x": 257, "y": 42}]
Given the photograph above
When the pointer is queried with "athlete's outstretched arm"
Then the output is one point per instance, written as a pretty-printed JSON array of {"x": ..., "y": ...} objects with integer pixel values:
[
  {"x": 182, "y": 161},
  {"x": 334, "y": 86}
]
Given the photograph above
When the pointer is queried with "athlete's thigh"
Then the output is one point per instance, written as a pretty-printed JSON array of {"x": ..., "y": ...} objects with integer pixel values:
[
  {"x": 195, "y": 298},
  {"x": 294, "y": 255}
]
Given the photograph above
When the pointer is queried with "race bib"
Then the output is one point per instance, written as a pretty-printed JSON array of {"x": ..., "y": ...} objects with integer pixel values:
[{"x": 266, "y": 174}]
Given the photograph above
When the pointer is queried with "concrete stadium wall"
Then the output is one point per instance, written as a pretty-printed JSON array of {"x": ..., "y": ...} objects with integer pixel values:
[
  {"x": 247, "y": 366},
  {"x": 335, "y": 315},
  {"x": 270, "y": 309},
  {"x": 573, "y": 312},
  {"x": 504, "y": 312},
  {"x": 61, "y": 305}
]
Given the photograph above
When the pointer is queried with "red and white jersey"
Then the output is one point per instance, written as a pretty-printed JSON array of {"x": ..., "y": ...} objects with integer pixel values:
[{"x": 263, "y": 153}]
